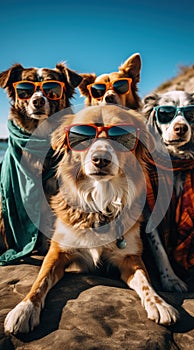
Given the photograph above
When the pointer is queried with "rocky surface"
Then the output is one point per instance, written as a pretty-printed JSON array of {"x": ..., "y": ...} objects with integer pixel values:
[{"x": 91, "y": 312}]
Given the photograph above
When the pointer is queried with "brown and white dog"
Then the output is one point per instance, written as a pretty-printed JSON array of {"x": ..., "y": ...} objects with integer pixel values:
[
  {"x": 170, "y": 119},
  {"x": 97, "y": 209},
  {"x": 36, "y": 94},
  {"x": 32, "y": 104},
  {"x": 116, "y": 87}
]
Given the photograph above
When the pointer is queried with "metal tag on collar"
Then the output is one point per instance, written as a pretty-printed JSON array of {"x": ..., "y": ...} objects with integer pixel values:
[
  {"x": 120, "y": 240},
  {"x": 121, "y": 243}
]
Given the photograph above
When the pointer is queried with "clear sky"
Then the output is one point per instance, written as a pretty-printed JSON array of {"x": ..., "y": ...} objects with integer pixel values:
[{"x": 96, "y": 36}]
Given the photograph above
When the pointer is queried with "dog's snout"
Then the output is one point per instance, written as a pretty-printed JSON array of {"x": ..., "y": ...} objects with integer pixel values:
[
  {"x": 110, "y": 98},
  {"x": 38, "y": 101},
  {"x": 101, "y": 159},
  {"x": 180, "y": 129}
]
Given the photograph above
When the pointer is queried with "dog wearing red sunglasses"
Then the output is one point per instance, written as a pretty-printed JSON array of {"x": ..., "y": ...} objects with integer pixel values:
[
  {"x": 116, "y": 88},
  {"x": 35, "y": 94},
  {"x": 170, "y": 119},
  {"x": 103, "y": 151}
]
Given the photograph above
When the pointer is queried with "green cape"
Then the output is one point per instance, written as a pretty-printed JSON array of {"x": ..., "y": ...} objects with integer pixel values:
[{"x": 21, "y": 192}]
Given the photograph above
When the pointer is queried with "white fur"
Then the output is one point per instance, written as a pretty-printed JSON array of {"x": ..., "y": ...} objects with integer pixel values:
[
  {"x": 31, "y": 109},
  {"x": 157, "y": 309},
  {"x": 23, "y": 318},
  {"x": 170, "y": 282}
]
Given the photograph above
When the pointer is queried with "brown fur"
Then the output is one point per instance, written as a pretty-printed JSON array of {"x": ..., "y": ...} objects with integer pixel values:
[
  {"x": 129, "y": 69},
  {"x": 77, "y": 207},
  {"x": 18, "y": 111},
  {"x": 30, "y": 119}
]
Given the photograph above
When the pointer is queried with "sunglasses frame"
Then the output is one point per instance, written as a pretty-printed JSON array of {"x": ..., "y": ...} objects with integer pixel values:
[
  {"x": 39, "y": 84},
  {"x": 177, "y": 109},
  {"x": 99, "y": 129},
  {"x": 108, "y": 85}
]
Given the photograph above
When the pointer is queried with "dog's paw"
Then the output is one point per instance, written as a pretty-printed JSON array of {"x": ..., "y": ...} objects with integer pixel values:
[
  {"x": 23, "y": 318},
  {"x": 172, "y": 283},
  {"x": 160, "y": 311}
]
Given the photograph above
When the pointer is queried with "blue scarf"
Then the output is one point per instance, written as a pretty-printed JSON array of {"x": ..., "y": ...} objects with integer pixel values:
[{"x": 21, "y": 192}]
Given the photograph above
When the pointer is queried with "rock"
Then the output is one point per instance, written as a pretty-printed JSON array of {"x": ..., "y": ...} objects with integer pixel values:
[{"x": 91, "y": 312}]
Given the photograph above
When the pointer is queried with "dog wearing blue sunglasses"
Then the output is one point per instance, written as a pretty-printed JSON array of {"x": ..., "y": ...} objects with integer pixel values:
[
  {"x": 170, "y": 118},
  {"x": 116, "y": 87}
]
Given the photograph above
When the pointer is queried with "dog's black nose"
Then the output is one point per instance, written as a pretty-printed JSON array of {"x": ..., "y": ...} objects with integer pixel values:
[
  {"x": 180, "y": 129},
  {"x": 38, "y": 101},
  {"x": 110, "y": 99},
  {"x": 101, "y": 159}
]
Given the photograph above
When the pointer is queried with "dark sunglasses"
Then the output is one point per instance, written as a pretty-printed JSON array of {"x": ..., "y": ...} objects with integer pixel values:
[
  {"x": 52, "y": 89},
  {"x": 120, "y": 86},
  {"x": 124, "y": 137},
  {"x": 165, "y": 114}
]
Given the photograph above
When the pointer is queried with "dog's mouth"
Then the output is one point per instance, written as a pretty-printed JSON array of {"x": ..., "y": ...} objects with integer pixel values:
[
  {"x": 176, "y": 141},
  {"x": 38, "y": 115},
  {"x": 101, "y": 173}
]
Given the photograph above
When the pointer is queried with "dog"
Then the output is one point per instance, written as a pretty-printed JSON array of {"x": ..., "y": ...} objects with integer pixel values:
[
  {"x": 170, "y": 118},
  {"x": 96, "y": 208},
  {"x": 36, "y": 94},
  {"x": 116, "y": 87}
]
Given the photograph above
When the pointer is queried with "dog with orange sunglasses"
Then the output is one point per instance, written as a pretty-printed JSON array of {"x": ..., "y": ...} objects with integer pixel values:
[
  {"x": 35, "y": 94},
  {"x": 117, "y": 87}
]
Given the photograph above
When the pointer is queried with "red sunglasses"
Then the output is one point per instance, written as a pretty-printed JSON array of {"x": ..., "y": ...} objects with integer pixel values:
[{"x": 81, "y": 136}]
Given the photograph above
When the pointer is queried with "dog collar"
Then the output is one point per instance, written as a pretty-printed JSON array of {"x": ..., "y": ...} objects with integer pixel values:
[{"x": 104, "y": 227}]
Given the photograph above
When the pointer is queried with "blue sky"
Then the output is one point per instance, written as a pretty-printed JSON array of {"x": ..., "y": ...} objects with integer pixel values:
[{"x": 97, "y": 36}]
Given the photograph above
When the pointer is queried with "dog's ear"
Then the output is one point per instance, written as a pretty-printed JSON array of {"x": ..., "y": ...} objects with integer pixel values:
[
  {"x": 70, "y": 77},
  {"x": 8, "y": 77},
  {"x": 131, "y": 67},
  {"x": 87, "y": 80},
  {"x": 149, "y": 102}
]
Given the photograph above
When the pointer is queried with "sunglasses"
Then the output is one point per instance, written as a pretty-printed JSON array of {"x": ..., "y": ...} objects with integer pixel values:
[
  {"x": 52, "y": 89},
  {"x": 165, "y": 114},
  {"x": 120, "y": 86},
  {"x": 124, "y": 137}
]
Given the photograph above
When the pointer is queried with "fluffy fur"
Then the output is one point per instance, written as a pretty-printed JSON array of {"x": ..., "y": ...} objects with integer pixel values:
[
  {"x": 94, "y": 206},
  {"x": 29, "y": 114},
  {"x": 177, "y": 138},
  {"x": 129, "y": 69}
]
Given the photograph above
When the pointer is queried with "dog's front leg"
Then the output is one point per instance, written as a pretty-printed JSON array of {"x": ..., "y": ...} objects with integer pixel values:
[
  {"x": 26, "y": 315},
  {"x": 169, "y": 280},
  {"x": 133, "y": 273}
]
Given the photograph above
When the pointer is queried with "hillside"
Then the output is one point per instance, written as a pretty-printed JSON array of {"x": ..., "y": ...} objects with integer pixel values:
[{"x": 183, "y": 81}]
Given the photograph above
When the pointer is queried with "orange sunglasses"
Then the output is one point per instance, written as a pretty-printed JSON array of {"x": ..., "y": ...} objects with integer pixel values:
[
  {"x": 121, "y": 86},
  {"x": 123, "y": 136},
  {"x": 52, "y": 89}
]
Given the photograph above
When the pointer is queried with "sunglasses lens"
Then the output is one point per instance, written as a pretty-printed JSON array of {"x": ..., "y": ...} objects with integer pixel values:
[
  {"x": 98, "y": 90},
  {"x": 124, "y": 137},
  {"x": 189, "y": 114},
  {"x": 121, "y": 86},
  {"x": 81, "y": 137},
  {"x": 52, "y": 90},
  {"x": 165, "y": 114},
  {"x": 25, "y": 90}
]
